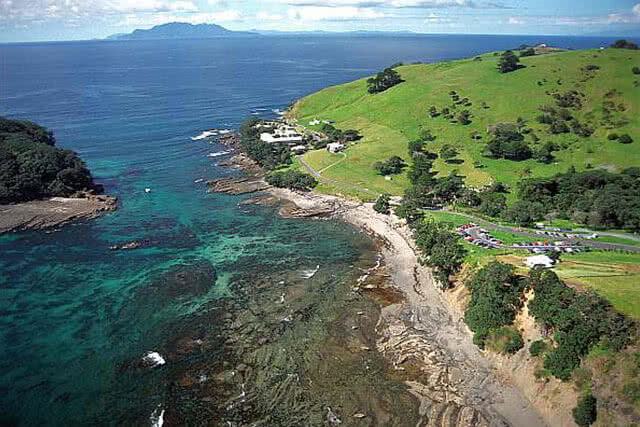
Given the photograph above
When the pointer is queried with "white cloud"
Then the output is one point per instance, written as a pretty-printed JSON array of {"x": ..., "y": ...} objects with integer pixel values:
[
  {"x": 437, "y": 19},
  {"x": 423, "y": 4},
  {"x": 266, "y": 16},
  {"x": 321, "y": 13},
  {"x": 636, "y": 10},
  {"x": 150, "y": 20},
  {"x": 515, "y": 21}
]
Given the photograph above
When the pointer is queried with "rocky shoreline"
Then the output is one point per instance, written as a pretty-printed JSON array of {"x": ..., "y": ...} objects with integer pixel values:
[
  {"x": 421, "y": 335},
  {"x": 427, "y": 344},
  {"x": 54, "y": 212}
]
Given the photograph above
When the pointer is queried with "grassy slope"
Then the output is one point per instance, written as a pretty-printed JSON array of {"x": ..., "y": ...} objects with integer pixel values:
[{"x": 390, "y": 119}]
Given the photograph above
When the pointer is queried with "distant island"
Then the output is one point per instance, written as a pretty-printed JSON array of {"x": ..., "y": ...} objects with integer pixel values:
[
  {"x": 42, "y": 185},
  {"x": 180, "y": 30}
]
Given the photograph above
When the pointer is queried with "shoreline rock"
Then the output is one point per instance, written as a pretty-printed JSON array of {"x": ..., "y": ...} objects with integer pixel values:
[
  {"x": 420, "y": 334},
  {"x": 54, "y": 212}
]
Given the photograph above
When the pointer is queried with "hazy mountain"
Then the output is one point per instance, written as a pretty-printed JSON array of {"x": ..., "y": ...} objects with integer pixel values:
[{"x": 179, "y": 30}]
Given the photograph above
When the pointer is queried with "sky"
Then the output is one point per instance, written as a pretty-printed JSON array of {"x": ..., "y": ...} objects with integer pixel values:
[{"x": 53, "y": 20}]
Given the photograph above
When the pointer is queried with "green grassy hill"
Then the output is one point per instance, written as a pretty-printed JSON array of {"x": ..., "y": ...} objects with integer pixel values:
[{"x": 390, "y": 119}]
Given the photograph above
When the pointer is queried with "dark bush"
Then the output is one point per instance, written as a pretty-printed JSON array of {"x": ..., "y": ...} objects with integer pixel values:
[
  {"x": 391, "y": 166},
  {"x": 537, "y": 347},
  {"x": 635, "y": 70},
  {"x": 625, "y": 139},
  {"x": 382, "y": 204},
  {"x": 612, "y": 136},
  {"x": 586, "y": 412}
]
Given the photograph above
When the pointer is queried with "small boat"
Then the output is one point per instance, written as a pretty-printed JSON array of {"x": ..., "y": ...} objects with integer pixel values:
[{"x": 147, "y": 190}]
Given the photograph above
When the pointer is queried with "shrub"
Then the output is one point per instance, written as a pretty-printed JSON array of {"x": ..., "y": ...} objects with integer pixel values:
[
  {"x": 586, "y": 412},
  {"x": 624, "y": 44},
  {"x": 625, "y": 139},
  {"x": 527, "y": 52},
  {"x": 636, "y": 70},
  {"x": 631, "y": 392},
  {"x": 537, "y": 348},
  {"x": 382, "y": 204},
  {"x": 612, "y": 136}
]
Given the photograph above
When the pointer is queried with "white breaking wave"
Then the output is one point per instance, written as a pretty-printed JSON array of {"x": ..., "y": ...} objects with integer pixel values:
[
  {"x": 204, "y": 135},
  {"x": 278, "y": 111},
  {"x": 308, "y": 274},
  {"x": 225, "y": 131},
  {"x": 219, "y": 153},
  {"x": 154, "y": 359},
  {"x": 157, "y": 417}
]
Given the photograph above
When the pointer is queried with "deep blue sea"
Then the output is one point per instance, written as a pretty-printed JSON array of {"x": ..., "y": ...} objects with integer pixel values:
[{"x": 76, "y": 318}]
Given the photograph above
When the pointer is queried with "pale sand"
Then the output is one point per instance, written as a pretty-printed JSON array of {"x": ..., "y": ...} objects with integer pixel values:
[{"x": 424, "y": 323}]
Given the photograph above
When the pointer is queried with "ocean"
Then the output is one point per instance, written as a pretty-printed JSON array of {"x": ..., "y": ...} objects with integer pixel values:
[{"x": 221, "y": 300}]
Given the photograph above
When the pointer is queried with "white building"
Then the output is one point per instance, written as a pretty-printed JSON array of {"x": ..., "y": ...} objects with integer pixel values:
[
  {"x": 299, "y": 149},
  {"x": 335, "y": 147},
  {"x": 283, "y": 134},
  {"x": 541, "y": 260}
]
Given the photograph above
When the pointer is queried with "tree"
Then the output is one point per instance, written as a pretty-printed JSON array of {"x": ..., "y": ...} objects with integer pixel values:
[
  {"x": 448, "y": 152},
  {"x": 465, "y": 117},
  {"x": 383, "y": 81},
  {"x": 415, "y": 147},
  {"x": 391, "y": 166},
  {"x": 433, "y": 112},
  {"x": 624, "y": 44},
  {"x": 382, "y": 204},
  {"x": 426, "y": 135},
  {"x": 420, "y": 171},
  {"x": 635, "y": 70},
  {"x": 492, "y": 204},
  {"x": 586, "y": 413},
  {"x": 625, "y": 139},
  {"x": 527, "y": 52},
  {"x": 508, "y": 62}
]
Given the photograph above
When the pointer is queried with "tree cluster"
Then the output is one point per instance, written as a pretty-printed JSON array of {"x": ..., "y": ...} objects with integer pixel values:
[
  {"x": 598, "y": 198},
  {"x": 508, "y": 62},
  {"x": 440, "y": 249},
  {"x": 391, "y": 166},
  {"x": 31, "y": 167},
  {"x": 579, "y": 321},
  {"x": 495, "y": 300},
  {"x": 624, "y": 44},
  {"x": 383, "y": 81},
  {"x": 508, "y": 143},
  {"x": 292, "y": 180}
]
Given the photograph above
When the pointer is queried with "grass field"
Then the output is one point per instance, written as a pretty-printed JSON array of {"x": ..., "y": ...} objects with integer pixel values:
[
  {"x": 390, "y": 119},
  {"x": 613, "y": 275}
]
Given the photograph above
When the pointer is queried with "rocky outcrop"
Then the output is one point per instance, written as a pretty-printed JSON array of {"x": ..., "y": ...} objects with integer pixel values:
[
  {"x": 242, "y": 185},
  {"x": 54, "y": 212}
]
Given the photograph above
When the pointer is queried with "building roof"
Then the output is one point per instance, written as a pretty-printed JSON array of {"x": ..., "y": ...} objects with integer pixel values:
[{"x": 542, "y": 260}]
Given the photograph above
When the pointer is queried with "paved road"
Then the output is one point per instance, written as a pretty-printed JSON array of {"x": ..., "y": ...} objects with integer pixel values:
[{"x": 490, "y": 225}]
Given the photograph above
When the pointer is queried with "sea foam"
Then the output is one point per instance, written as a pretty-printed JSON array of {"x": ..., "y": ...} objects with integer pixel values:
[
  {"x": 204, "y": 135},
  {"x": 153, "y": 359}
]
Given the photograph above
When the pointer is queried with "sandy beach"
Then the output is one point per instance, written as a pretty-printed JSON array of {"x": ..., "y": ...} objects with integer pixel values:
[{"x": 425, "y": 333}]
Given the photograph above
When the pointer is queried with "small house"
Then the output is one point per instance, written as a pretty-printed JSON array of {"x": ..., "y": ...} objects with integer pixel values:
[
  {"x": 541, "y": 260},
  {"x": 335, "y": 147},
  {"x": 299, "y": 149}
]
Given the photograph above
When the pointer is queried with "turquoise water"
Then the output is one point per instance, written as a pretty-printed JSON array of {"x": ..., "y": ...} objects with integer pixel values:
[{"x": 77, "y": 318}]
